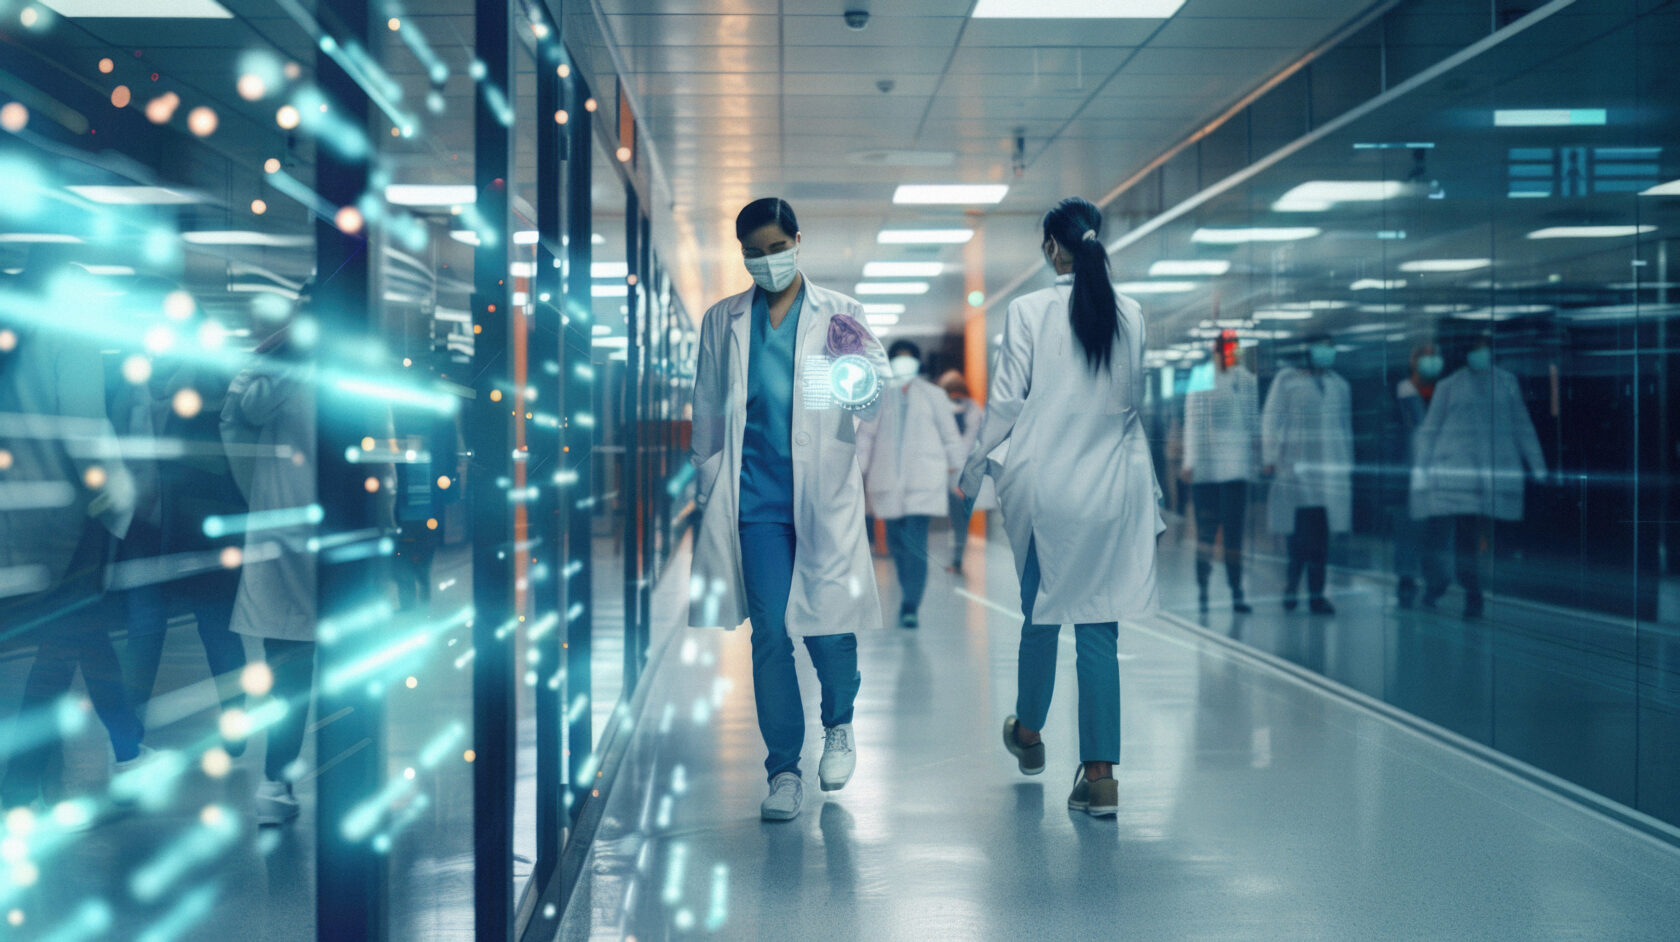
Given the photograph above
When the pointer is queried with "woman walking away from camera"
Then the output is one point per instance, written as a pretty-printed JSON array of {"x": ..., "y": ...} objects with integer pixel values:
[{"x": 1078, "y": 491}]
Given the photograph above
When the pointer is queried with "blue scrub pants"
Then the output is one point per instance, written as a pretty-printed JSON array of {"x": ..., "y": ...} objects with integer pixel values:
[
  {"x": 907, "y": 539},
  {"x": 767, "y": 567},
  {"x": 1097, "y": 650}
]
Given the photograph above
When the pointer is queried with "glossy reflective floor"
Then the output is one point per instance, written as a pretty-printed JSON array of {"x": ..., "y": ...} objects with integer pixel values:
[{"x": 1252, "y": 806}]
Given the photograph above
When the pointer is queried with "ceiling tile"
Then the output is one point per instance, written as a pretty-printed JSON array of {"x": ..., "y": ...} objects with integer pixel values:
[{"x": 694, "y": 30}]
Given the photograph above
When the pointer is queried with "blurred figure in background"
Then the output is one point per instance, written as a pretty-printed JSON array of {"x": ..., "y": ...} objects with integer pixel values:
[
  {"x": 1471, "y": 450},
  {"x": 968, "y": 415},
  {"x": 168, "y": 564},
  {"x": 425, "y": 489},
  {"x": 1221, "y": 455},
  {"x": 67, "y": 496},
  {"x": 1412, "y": 396},
  {"x": 910, "y": 456},
  {"x": 268, "y": 424},
  {"x": 1307, "y": 446}
]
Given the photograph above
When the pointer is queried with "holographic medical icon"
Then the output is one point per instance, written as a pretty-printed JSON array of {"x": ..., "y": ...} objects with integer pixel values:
[{"x": 854, "y": 381}]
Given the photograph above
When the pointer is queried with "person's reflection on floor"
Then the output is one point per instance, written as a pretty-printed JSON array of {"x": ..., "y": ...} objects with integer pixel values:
[
  {"x": 1412, "y": 397},
  {"x": 1221, "y": 455},
  {"x": 70, "y": 496},
  {"x": 836, "y": 825}
]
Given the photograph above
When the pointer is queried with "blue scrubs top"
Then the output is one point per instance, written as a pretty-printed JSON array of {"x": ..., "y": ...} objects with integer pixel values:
[{"x": 767, "y": 447}]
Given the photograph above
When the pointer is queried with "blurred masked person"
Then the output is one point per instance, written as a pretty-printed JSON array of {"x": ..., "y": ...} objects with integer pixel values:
[
  {"x": 1221, "y": 455},
  {"x": 1471, "y": 450},
  {"x": 967, "y": 414},
  {"x": 65, "y": 496},
  {"x": 910, "y": 456},
  {"x": 785, "y": 371},
  {"x": 1412, "y": 396},
  {"x": 1078, "y": 489},
  {"x": 1306, "y": 436}
]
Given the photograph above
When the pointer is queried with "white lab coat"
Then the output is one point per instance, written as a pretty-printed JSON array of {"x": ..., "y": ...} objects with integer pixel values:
[
  {"x": 1078, "y": 481},
  {"x": 833, "y": 576},
  {"x": 911, "y": 452},
  {"x": 1306, "y": 435},
  {"x": 1222, "y": 429},
  {"x": 973, "y": 413},
  {"x": 1472, "y": 446}
]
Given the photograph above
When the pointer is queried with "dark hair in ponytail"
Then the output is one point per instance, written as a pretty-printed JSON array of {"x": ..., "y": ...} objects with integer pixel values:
[
  {"x": 1093, "y": 310},
  {"x": 762, "y": 212}
]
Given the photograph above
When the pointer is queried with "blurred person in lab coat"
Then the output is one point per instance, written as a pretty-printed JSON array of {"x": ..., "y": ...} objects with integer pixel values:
[
  {"x": 1306, "y": 443},
  {"x": 68, "y": 495},
  {"x": 1077, "y": 488},
  {"x": 967, "y": 414},
  {"x": 1471, "y": 451},
  {"x": 786, "y": 372},
  {"x": 1412, "y": 396},
  {"x": 910, "y": 455},
  {"x": 1221, "y": 455}
]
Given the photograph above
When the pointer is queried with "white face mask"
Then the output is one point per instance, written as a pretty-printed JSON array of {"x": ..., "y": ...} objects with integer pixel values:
[
  {"x": 774, "y": 272},
  {"x": 904, "y": 367}
]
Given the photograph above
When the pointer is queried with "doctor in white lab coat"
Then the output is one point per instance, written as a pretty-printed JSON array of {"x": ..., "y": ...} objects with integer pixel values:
[
  {"x": 1306, "y": 444},
  {"x": 1221, "y": 455},
  {"x": 1471, "y": 449},
  {"x": 1078, "y": 490},
  {"x": 910, "y": 456},
  {"x": 967, "y": 414},
  {"x": 786, "y": 372}
]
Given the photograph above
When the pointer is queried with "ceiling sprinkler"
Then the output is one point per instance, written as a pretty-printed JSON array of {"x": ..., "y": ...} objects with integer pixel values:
[
  {"x": 1018, "y": 160},
  {"x": 856, "y": 19}
]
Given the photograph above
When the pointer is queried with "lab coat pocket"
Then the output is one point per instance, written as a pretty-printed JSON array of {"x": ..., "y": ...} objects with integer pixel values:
[{"x": 846, "y": 429}]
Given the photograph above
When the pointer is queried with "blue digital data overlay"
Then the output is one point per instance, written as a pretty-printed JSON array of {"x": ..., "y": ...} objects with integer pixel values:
[{"x": 854, "y": 381}]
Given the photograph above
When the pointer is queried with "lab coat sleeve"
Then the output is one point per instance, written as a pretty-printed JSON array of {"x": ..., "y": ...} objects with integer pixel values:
[
  {"x": 1010, "y": 386},
  {"x": 1522, "y": 426},
  {"x": 1251, "y": 415},
  {"x": 876, "y": 354},
  {"x": 709, "y": 387},
  {"x": 1429, "y": 432},
  {"x": 1274, "y": 421},
  {"x": 866, "y": 432},
  {"x": 1195, "y": 407},
  {"x": 949, "y": 436}
]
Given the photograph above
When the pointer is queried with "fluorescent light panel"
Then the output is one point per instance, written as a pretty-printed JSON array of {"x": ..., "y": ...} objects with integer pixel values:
[
  {"x": 1156, "y": 287},
  {"x": 883, "y": 308},
  {"x": 1590, "y": 232},
  {"x": 1549, "y": 117},
  {"x": 1254, "y": 234},
  {"x": 609, "y": 291},
  {"x": 139, "y": 9},
  {"x": 1671, "y": 188},
  {"x": 952, "y": 194},
  {"x": 1317, "y": 196},
  {"x": 1282, "y": 315},
  {"x": 924, "y": 236},
  {"x": 246, "y": 237},
  {"x": 1188, "y": 267},
  {"x": 1445, "y": 264},
  {"x": 891, "y": 287},
  {"x": 135, "y": 195},
  {"x": 1376, "y": 284},
  {"x": 903, "y": 269},
  {"x": 881, "y": 320},
  {"x": 609, "y": 269},
  {"x": 57, "y": 238},
  {"x": 426, "y": 194},
  {"x": 1076, "y": 9}
]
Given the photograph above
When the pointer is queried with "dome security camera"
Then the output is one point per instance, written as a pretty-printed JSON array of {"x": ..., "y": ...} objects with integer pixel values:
[
  {"x": 886, "y": 85},
  {"x": 856, "y": 19}
]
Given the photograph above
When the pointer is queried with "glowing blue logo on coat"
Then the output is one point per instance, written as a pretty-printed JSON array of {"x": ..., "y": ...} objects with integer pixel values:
[{"x": 854, "y": 381}]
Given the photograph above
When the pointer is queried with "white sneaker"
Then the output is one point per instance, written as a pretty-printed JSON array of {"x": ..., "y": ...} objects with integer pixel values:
[
  {"x": 787, "y": 793},
  {"x": 132, "y": 779},
  {"x": 275, "y": 803},
  {"x": 839, "y": 758}
]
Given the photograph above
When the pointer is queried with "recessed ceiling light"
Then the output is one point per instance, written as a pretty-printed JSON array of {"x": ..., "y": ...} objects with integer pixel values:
[
  {"x": 954, "y": 194},
  {"x": 609, "y": 290},
  {"x": 1446, "y": 264},
  {"x": 1076, "y": 9},
  {"x": 40, "y": 237},
  {"x": 903, "y": 269},
  {"x": 1671, "y": 188},
  {"x": 924, "y": 236},
  {"x": 1156, "y": 287},
  {"x": 107, "y": 269},
  {"x": 881, "y": 320},
  {"x": 246, "y": 237},
  {"x": 1317, "y": 196},
  {"x": 1193, "y": 266},
  {"x": 466, "y": 236},
  {"x": 1282, "y": 315},
  {"x": 1376, "y": 284},
  {"x": 139, "y": 9},
  {"x": 136, "y": 195},
  {"x": 1251, "y": 234},
  {"x": 891, "y": 287},
  {"x": 1590, "y": 232},
  {"x": 525, "y": 237},
  {"x": 883, "y": 308},
  {"x": 609, "y": 269},
  {"x": 423, "y": 194},
  {"x": 1549, "y": 117}
]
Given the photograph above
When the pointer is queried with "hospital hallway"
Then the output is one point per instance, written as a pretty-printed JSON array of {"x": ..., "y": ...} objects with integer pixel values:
[{"x": 1254, "y": 802}]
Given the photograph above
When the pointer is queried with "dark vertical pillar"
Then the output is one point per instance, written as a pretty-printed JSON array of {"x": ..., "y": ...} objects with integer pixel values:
[
  {"x": 350, "y": 898},
  {"x": 578, "y": 377},
  {"x": 490, "y": 428},
  {"x": 630, "y": 469},
  {"x": 652, "y": 509},
  {"x": 550, "y": 512}
]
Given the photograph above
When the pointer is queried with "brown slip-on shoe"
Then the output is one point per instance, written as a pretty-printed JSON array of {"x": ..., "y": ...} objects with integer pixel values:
[
  {"x": 1099, "y": 799},
  {"x": 1030, "y": 758}
]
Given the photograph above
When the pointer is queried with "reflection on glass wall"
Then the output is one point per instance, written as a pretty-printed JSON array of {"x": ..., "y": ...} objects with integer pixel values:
[{"x": 1456, "y": 307}]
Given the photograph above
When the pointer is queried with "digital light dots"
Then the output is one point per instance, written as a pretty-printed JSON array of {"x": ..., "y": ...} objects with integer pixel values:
[
  {"x": 121, "y": 96},
  {"x": 162, "y": 108},
  {"x": 187, "y": 402},
  {"x": 8, "y": 340},
  {"x": 393, "y": 24},
  {"x": 256, "y": 679},
  {"x": 411, "y": 682},
  {"x": 14, "y": 117},
  {"x": 137, "y": 369},
  {"x": 431, "y": 523},
  {"x": 271, "y": 165},
  {"x": 443, "y": 482},
  {"x": 371, "y": 485},
  {"x": 469, "y": 755},
  {"x": 216, "y": 762},
  {"x": 251, "y": 87},
  {"x": 561, "y": 117},
  {"x": 15, "y": 917},
  {"x": 94, "y": 477},
  {"x": 590, "y": 105},
  {"x": 106, "y": 65},
  {"x": 5, "y": 459},
  {"x": 349, "y": 220},
  {"x": 202, "y": 121},
  {"x": 231, "y": 557},
  {"x": 624, "y": 154},
  {"x": 288, "y": 117},
  {"x": 258, "y": 207},
  {"x": 30, "y": 16},
  {"x": 235, "y": 724}
]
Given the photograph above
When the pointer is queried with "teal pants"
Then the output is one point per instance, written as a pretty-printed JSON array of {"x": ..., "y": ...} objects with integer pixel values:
[{"x": 1096, "y": 649}]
